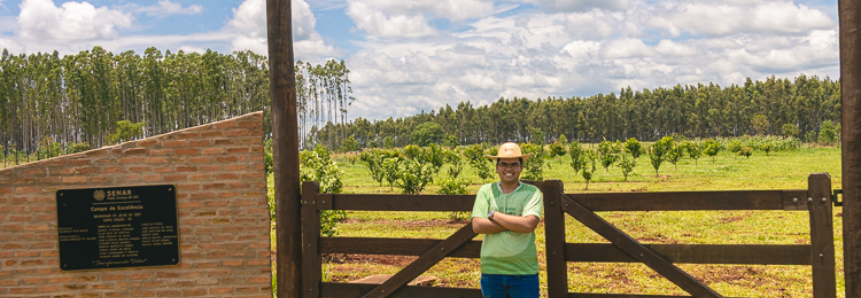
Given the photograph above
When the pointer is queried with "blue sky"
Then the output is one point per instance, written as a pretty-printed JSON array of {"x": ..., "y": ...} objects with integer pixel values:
[{"x": 411, "y": 55}]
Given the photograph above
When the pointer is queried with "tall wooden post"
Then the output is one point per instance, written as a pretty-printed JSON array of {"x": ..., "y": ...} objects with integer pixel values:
[
  {"x": 850, "y": 80},
  {"x": 285, "y": 148}
]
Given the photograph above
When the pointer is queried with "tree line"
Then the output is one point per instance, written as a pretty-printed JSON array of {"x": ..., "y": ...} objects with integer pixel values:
[
  {"x": 87, "y": 100},
  {"x": 781, "y": 107}
]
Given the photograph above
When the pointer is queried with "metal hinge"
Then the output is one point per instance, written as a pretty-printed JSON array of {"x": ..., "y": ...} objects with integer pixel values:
[{"x": 837, "y": 192}]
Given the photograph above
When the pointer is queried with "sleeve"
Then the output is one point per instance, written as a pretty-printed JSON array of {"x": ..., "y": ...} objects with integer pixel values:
[
  {"x": 482, "y": 203},
  {"x": 535, "y": 205}
]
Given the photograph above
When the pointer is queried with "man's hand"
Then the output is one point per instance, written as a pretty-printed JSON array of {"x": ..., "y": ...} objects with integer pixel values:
[{"x": 502, "y": 222}]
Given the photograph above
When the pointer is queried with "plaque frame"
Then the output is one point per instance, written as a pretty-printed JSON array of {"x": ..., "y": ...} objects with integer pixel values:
[{"x": 172, "y": 250}]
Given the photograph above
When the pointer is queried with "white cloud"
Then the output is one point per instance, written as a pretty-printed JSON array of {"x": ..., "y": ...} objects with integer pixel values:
[
  {"x": 249, "y": 25},
  {"x": 166, "y": 8},
  {"x": 41, "y": 19},
  {"x": 192, "y": 49},
  {"x": 446, "y": 9},
  {"x": 718, "y": 19},
  {"x": 590, "y": 25},
  {"x": 670, "y": 48},
  {"x": 10, "y": 45},
  {"x": 627, "y": 48},
  {"x": 377, "y": 23},
  {"x": 580, "y": 5}
]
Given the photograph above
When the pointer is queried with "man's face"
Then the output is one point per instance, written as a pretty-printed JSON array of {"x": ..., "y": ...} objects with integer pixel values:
[{"x": 509, "y": 169}]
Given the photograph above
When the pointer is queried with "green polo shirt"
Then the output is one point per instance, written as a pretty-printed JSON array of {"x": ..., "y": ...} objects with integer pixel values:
[{"x": 509, "y": 252}]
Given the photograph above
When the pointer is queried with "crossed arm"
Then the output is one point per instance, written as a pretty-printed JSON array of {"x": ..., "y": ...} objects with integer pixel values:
[{"x": 502, "y": 222}]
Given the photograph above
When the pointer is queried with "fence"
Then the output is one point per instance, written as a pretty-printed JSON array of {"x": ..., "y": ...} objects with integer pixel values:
[{"x": 623, "y": 248}]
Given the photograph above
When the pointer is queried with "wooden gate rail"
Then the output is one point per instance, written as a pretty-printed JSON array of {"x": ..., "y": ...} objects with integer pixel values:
[{"x": 819, "y": 254}]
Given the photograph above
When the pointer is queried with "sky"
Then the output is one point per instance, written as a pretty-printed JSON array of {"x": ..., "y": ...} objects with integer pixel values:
[{"x": 408, "y": 56}]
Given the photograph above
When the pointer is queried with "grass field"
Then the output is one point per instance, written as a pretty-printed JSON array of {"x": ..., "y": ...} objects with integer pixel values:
[{"x": 780, "y": 170}]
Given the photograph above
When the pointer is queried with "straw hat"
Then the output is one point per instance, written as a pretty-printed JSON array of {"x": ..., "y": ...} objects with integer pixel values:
[{"x": 509, "y": 150}]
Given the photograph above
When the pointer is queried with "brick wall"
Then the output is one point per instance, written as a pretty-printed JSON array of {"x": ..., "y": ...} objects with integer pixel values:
[{"x": 223, "y": 215}]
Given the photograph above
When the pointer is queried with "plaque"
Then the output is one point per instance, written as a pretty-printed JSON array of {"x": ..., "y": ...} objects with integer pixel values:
[{"x": 117, "y": 227}]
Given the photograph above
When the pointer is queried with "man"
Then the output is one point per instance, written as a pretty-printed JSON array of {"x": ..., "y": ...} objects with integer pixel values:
[{"x": 508, "y": 212}]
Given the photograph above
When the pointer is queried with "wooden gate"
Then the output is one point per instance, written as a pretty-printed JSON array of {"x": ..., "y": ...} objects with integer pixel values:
[{"x": 622, "y": 248}]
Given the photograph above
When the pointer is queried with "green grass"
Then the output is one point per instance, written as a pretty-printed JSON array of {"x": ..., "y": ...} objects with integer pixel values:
[{"x": 780, "y": 170}]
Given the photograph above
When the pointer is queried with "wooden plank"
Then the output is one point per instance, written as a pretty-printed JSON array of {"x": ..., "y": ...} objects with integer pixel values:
[
  {"x": 637, "y": 250},
  {"x": 356, "y": 290},
  {"x": 554, "y": 231},
  {"x": 324, "y": 201},
  {"x": 423, "y": 263},
  {"x": 365, "y": 202},
  {"x": 695, "y": 253},
  {"x": 795, "y": 200},
  {"x": 849, "y": 28},
  {"x": 393, "y": 246},
  {"x": 821, "y": 235},
  {"x": 589, "y": 252},
  {"x": 683, "y": 201},
  {"x": 285, "y": 147},
  {"x": 656, "y": 201},
  {"x": 311, "y": 262}
]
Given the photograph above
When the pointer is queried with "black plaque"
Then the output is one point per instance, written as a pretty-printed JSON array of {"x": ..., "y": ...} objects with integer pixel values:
[{"x": 117, "y": 227}]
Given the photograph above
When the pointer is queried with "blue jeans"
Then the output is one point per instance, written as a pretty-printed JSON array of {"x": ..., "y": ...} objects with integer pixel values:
[{"x": 509, "y": 286}]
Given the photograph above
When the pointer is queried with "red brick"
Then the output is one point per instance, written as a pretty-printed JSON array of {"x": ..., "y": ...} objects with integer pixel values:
[
  {"x": 236, "y": 132},
  {"x": 147, "y": 143},
  {"x": 88, "y": 170},
  {"x": 113, "y": 277},
  {"x": 161, "y": 152},
  {"x": 220, "y": 290},
  {"x": 152, "y": 178},
  {"x": 237, "y": 150},
  {"x": 87, "y": 278},
  {"x": 22, "y": 290},
  {"x": 140, "y": 276},
  {"x": 173, "y": 144},
  {"x": 140, "y": 169},
  {"x": 225, "y": 124},
  {"x": 231, "y": 263},
  {"x": 250, "y": 124},
  {"x": 38, "y": 171},
  {"x": 194, "y": 292},
  {"x": 23, "y": 190},
  {"x": 259, "y": 279},
  {"x": 174, "y": 177},
  {"x": 223, "y": 159},
  {"x": 79, "y": 162},
  {"x": 131, "y": 160},
  {"x": 75, "y": 286},
  {"x": 186, "y": 151},
  {"x": 224, "y": 142},
  {"x": 101, "y": 152},
  {"x": 186, "y": 169},
  {"x": 156, "y": 160},
  {"x": 199, "y": 143},
  {"x": 143, "y": 293},
  {"x": 20, "y": 218},
  {"x": 258, "y": 262},
  {"x": 135, "y": 151},
  {"x": 168, "y": 293},
  {"x": 235, "y": 167},
  {"x": 213, "y": 185},
  {"x": 210, "y": 134},
  {"x": 212, "y": 151},
  {"x": 200, "y": 159}
]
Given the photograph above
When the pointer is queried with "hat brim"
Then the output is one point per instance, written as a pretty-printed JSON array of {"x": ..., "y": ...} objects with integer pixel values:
[{"x": 524, "y": 157}]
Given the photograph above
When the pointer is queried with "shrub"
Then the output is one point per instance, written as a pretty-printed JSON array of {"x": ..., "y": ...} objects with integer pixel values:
[
  {"x": 634, "y": 147},
  {"x": 321, "y": 168},
  {"x": 608, "y": 154},
  {"x": 627, "y": 165},
  {"x": 658, "y": 152},
  {"x": 534, "y": 166},
  {"x": 452, "y": 186},
  {"x": 413, "y": 176}
]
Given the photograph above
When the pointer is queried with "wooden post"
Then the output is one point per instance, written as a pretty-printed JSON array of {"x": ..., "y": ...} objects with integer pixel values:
[
  {"x": 311, "y": 274},
  {"x": 850, "y": 81},
  {"x": 554, "y": 239},
  {"x": 821, "y": 235},
  {"x": 285, "y": 147}
]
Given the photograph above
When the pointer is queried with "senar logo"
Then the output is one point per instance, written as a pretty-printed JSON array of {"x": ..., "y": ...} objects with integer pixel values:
[{"x": 99, "y": 195}]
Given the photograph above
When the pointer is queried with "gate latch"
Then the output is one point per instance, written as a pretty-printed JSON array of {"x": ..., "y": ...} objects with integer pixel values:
[{"x": 837, "y": 203}]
